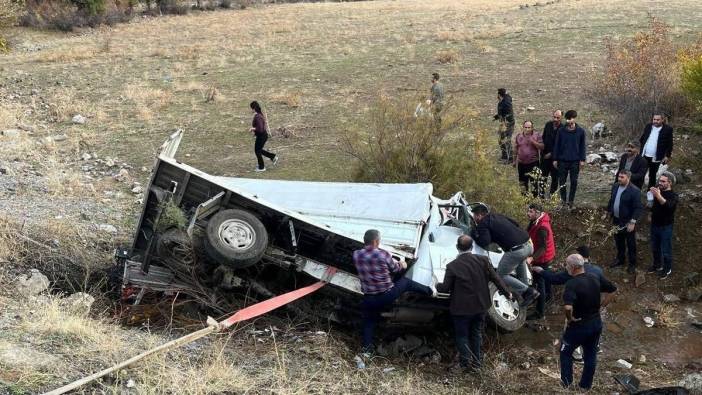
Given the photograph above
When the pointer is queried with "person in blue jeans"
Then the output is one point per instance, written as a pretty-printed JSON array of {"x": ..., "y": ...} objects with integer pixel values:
[
  {"x": 569, "y": 156},
  {"x": 662, "y": 214},
  {"x": 581, "y": 304},
  {"x": 380, "y": 284}
]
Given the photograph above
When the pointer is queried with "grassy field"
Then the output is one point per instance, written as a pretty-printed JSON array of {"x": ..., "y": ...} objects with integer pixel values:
[{"x": 317, "y": 68}]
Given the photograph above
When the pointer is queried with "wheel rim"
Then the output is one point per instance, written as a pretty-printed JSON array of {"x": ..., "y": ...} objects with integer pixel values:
[
  {"x": 237, "y": 234},
  {"x": 505, "y": 308}
]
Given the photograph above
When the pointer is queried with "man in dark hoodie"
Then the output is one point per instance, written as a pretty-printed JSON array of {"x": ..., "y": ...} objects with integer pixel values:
[
  {"x": 505, "y": 115},
  {"x": 467, "y": 279},
  {"x": 569, "y": 155}
]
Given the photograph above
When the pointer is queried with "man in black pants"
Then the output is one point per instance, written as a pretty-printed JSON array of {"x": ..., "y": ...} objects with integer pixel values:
[
  {"x": 625, "y": 208},
  {"x": 582, "y": 303},
  {"x": 505, "y": 115},
  {"x": 657, "y": 143},
  {"x": 549, "y": 139},
  {"x": 467, "y": 279},
  {"x": 569, "y": 155}
]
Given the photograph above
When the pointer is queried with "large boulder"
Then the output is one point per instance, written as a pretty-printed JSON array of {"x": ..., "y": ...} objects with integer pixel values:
[{"x": 32, "y": 284}]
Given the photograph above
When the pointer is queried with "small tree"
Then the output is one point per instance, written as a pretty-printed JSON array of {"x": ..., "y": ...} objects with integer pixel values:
[
  {"x": 692, "y": 79},
  {"x": 641, "y": 75}
]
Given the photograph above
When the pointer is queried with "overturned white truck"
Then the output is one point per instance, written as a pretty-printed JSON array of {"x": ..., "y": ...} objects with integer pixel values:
[{"x": 304, "y": 227}]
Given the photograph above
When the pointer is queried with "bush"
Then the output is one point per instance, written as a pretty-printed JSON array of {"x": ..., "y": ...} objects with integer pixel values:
[
  {"x": 692, "y": 79},
  {"x": 641, "y": 75},
  {"x": 397, "y": 147},
  {"x": 175, "y": 7},
  {"x": 67, "y": 15},
  {"x": 9, "y": 12}
]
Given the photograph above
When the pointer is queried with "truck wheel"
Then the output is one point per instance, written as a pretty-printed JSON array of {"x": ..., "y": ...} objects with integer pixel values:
[
  {"x": 506, "y": 315},
  {"x": 236, "y": 238}
]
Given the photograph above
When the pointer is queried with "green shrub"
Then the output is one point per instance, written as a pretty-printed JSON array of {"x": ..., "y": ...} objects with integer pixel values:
[
  {"x": 692, "y": 79},
  {"x": 641, "y": 75}
]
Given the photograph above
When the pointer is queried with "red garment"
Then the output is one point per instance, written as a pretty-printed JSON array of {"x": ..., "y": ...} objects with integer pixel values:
[{"x": 543, "y": 222}]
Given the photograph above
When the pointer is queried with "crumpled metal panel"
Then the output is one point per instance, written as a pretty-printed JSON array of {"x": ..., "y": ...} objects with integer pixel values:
[{"x": 398, "y": 211}]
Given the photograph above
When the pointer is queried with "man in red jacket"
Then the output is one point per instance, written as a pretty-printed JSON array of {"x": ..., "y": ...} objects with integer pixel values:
[{"x": 541, "y": 235}]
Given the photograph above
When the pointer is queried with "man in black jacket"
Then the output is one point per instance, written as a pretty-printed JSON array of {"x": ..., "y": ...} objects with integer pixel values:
[
  {"x": 549, "y": 139},
  {"x": 633, "y": 162},
  {"x": 662, "y": 214},
  {"x": 505, "y": 115},
  {"x": 657, "y": 145},
  {"x": 625, "y": 208},
  {"x": 467, "y": 279},
  {"x": 516, "y": 244},
  {"x": 569, "y": 155}
]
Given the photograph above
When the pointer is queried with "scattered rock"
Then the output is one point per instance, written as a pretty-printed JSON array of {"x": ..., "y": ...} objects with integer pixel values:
[
  {"x": 689, "y": 172},
  {"x": 107, "y": 228},
  {"x": 109, "y": 162},
  {"x": 388, "y": 370},
  {"x": 359, "y": 362},
  {"x": 20, "y": 357},
  {"x": 78, "y": 119},
  {"x": 79, "y": 302},
  {"x": 32, "y": 284},
  {"x": 592, "y": 159},
  {"x": 59, "y": 137},
  {"x": 531, "y": 108},
  {"x": 692, "y": 279},
  {"x": 671, "y": 298},
  {"x": 501, "y": 367},
  {"x": 11, "y": 133},
  {"x": 648, "y": 321},
  {"x": 85, "y": 156},
  {"x": 693, "y": 294},
  {"x": 137, "y": 189},
  {"x": 692, "y": 382},
  {"x": 525, "y": 366},
  {"x": 686, "y": 136},
  {"x": 122, "y": 175},
  {"x": 642, "y": 358},
  {"x": 610, "y": 156},
  {"x": 640, "y": 279},
  {"x": 623, "y": 364}
]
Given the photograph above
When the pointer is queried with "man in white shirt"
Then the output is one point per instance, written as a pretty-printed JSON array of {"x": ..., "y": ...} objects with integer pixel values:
[{"x": 657, "y": 143}]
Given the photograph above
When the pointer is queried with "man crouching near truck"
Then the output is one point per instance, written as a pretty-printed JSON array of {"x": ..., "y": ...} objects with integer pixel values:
[
  {"x": 467, "y": 279},
  {"x": 375, "y": 269}
]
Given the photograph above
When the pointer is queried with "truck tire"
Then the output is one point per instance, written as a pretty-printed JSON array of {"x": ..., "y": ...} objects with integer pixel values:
[
  {"x": 505, "y": 315},
  {"x": 236, "y": 238}
]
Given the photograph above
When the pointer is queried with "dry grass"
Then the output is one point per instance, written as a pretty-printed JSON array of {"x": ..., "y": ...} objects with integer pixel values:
[
  {"x": 75, "y": 54},
  {"x": 446, "y": 56},
  {"x": 666, "y": 315},
  {"x": 289, "y": 99}
]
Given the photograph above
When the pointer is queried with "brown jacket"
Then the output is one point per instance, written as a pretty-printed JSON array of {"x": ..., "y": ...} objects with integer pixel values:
[{"x": 466, "y": 280}]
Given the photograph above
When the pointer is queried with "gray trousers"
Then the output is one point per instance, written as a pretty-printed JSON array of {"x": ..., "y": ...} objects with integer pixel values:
[{"x": 515, "y": 261}]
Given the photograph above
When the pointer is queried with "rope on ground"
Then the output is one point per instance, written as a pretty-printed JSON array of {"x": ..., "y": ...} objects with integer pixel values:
[{"x": 213, "y": 326}]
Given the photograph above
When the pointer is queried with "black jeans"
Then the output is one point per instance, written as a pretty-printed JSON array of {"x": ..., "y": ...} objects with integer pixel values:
[
  {"x": 652, "y": 171},
  {"x": 525, "y": 179},
  {"x": 260, "y": 152},
  {"x": 586, "y": 334},
  {"x": 546, "y": 171},
  {"x": 469, "y": 337},
  {"x": 625, "y": 241},
  {"x": 568, "y": 169}
]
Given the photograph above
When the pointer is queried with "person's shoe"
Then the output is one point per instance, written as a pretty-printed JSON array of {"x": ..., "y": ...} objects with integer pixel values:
[
  {"x": 260, "y": 170},
  {"x": 534, "y": 316},
  {"x": 631, "y": 269},
  {"x": 275, "y": 160},
  {"x": 665, "y": 275},
  {"x": 653, "y": 269},
  {"x": 616, "y": 264},
  {"x": 530, "y": 297}
]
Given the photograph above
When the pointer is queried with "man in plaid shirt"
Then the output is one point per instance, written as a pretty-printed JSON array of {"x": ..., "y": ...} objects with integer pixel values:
[{"x": 375, "y": 269}]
